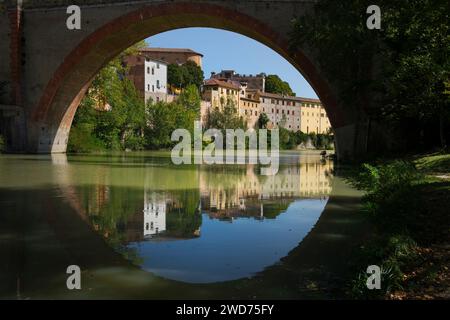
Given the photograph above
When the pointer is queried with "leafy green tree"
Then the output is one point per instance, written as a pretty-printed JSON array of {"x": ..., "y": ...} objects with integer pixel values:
[
  {"x": 275, "y": 85},
  {"x": 263, "y": 120},
  {"x": 403, "y": 66},
  {"x": 190, "y": 99},
  {"x": 120, "y": 128},
  {"x": 226, "y": 118},
  {"x": 163, "y": 118},
  {"x": 175, "y": 76},
  {"x": 193, "y": 74},
  {"x": 182, "y": 76}
]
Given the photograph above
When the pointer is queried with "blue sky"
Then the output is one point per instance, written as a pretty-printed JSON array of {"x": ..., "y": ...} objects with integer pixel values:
[{"x": 229, "y": 50}]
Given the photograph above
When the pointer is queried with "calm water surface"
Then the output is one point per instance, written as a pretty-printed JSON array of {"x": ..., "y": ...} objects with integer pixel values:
[{"x": 139, "y": 226}]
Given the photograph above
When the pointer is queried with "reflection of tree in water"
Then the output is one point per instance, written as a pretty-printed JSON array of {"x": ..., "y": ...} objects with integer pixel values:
[
  {"x": 183, "y": 217},
  {"x": 110, "y": 215}
]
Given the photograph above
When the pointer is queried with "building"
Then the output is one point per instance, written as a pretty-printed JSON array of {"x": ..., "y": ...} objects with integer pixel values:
[
  {"x": 148, "y": 70},
  {"x": 249, "y": 107},
  {"x": 218, "y": 93},
  {"x": 295, "y": 113},
  {"x": 292, "y": 113},
  {"x": 314, "y": 117},
  {"x": 149, "y": 77},
  {"x": 172, "y": 55},
  {"x": 254, "y": 82},
  {"x": 281, "y": 110},
  {"x": 155, "y": 80}
]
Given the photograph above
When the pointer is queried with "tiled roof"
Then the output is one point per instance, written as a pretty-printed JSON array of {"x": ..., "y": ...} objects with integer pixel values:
[
  {"x": 223, "y": 84},
  {"x": 281, "y": 97},
  {"x": 171, "y": 50}
]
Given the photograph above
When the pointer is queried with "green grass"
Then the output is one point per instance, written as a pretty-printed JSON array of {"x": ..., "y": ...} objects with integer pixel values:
[
  {"x": 408, "y": 207},
  {"x": 434, "y": 163}
]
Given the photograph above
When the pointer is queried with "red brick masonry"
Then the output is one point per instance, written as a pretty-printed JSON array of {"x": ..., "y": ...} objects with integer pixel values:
[
  {"x": 272, "y": 38},
  {"x": 15, "y": 49}
]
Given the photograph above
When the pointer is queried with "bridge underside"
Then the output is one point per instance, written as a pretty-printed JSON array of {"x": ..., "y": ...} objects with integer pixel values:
[{"x": 49, "y": 68}]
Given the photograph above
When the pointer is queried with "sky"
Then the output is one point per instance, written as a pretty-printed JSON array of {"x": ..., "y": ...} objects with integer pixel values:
[{"x": 224, "y": 50}]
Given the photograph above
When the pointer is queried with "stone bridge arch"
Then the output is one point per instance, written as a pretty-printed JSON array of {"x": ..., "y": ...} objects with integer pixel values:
[{"x": 50, "y": 67}]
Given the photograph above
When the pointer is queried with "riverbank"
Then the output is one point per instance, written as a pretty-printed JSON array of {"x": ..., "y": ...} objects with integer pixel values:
[{"x": 407, "y": 202}]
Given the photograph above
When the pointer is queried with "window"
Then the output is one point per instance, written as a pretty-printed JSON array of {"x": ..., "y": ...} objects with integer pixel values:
[
  {"x": 153, "y": 88},
  {"x": 157, "y": 66},
  {"x": 153, "y": 71},
  {"x": 148, "y": 87},
  {"x": 148, "y": 70},
  {"x": 157, "y": 84}
]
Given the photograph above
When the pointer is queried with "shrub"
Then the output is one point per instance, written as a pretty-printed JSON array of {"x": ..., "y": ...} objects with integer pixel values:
[{"x": 81, "y": 140}]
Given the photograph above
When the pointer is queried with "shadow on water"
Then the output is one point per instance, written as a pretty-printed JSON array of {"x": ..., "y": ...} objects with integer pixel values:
[{"x": 47, "y": 227}]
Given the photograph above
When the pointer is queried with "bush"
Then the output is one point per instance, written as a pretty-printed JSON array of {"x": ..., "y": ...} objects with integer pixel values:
[
  {"x": 135, "y": 142},
  {"x": 81, "y": 140}
]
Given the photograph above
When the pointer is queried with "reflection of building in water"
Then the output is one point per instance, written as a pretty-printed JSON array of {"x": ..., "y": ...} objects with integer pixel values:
[
  {"x": 154, "y": 214},
  {"x": 163, "y": 216},
  {"x": 315, "y": 179},
  {"x": 246, "y": 195}
]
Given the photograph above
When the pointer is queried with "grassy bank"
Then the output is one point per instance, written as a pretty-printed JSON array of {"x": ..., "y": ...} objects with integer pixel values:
[{"x": 407, "y": 202}]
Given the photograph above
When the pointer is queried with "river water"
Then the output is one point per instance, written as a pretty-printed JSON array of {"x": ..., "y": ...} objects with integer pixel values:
[{"x": 140, "y": 227}]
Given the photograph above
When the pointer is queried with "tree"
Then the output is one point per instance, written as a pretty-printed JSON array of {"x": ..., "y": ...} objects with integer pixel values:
[
  {"x": 190, "y": 99},
  {"x": 163, "y": 118},
  {"x": 403, "y": 66},
  {"x": 181, "y": 76},
  {"x": 118, "y": 129},
  {"x": 263, "y": 120},
  {"x": 226, "y": 118},
  {"x": 175, "y": 77},
  {"x": 277, "y": 86},
  {"x": 193, "y": 74}
]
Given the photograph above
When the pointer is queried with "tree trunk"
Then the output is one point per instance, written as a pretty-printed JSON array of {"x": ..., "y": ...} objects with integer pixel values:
[{"x": 442, "y": 130}]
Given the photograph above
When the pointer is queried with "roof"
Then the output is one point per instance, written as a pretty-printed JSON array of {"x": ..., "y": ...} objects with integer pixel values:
[
  {"x": 279, "y": 96},
  {"x": 171, "y": 50},
  {"x": 312, "y": 100},
  {"x": 220, "y": 83},
  {"x": 158, "y": 61}
]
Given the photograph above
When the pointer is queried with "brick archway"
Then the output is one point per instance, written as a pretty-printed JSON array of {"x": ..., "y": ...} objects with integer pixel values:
[{"x": 57, "y": 106}]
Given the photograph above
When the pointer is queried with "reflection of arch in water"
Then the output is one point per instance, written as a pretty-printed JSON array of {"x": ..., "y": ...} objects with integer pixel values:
[{"x": 323, "y": 250}]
